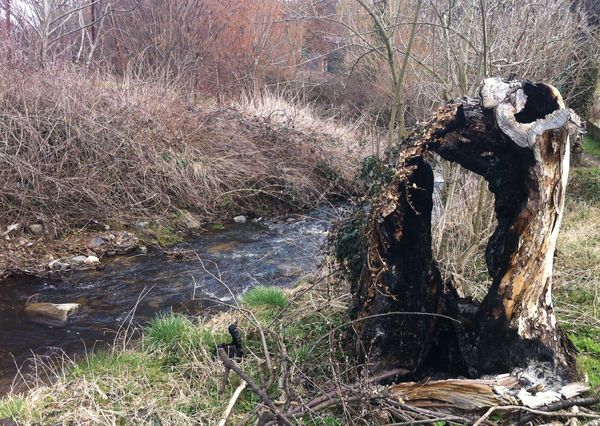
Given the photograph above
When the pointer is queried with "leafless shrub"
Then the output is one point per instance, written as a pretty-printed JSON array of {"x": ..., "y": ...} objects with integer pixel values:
[
  {"x": 82, "y": 146},
  {"x": 462, "y": 228},
  {"x": 458, "y": 43}
]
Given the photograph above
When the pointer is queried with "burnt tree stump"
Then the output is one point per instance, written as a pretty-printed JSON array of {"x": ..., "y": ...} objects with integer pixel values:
[{"x": 515, "y": 136}]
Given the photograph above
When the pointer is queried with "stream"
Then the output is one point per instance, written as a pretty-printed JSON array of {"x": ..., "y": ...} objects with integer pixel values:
[{"x": 136, "y": 288}]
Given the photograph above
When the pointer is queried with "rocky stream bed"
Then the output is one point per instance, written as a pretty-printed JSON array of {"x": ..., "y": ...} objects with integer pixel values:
[{"x": 191, "y": 278}]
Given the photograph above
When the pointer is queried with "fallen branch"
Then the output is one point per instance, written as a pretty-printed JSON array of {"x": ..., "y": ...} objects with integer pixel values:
[
  {"x": 335, "y": 393},
  {"x": 535, "y": 412},
  {"x": 229, "y": 363},
  {"x": 422, "y": 412},
  {"x": 561, "y": 405},
  {"x": 428, "y": 421},
  {"x": 231, "y": 404},
  {"x": 468, "y": 394},
  {"x": 329, "y": 404},
  {"x": 335, "y": 397}
]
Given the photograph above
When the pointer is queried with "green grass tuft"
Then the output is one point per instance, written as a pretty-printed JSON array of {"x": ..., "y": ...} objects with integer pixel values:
[
  {"x": 591, "y": 366},
  {"x": 11, "y": 408},
  {"x": 587, "y": 342},
  {"x": 265, "y": 296},
  {"x": 106, "y": 363},
  {"x": 172, "y": 334},
  {"x": 211, "y": 339}
]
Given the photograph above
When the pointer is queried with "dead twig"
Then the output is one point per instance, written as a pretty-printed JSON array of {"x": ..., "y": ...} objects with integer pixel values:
[
  {"x": 331, "y": 403},
  {"x": 335, "y": 397},
  {"x": 560, "y": 405},
  {"x": 332, "y": 394},
  {"x": 231, "y": 404},
  {"x": 225, "y": 381},
  {"x": 428, "y": 421},
  {"x": 423, "y": 413},
  {"x": 229, "y": 363}
]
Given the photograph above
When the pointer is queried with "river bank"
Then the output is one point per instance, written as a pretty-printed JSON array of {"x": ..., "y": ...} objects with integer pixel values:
[
  {"x": 170, "y": 375},
  {"x": 136, "y": 163},
  {"x": 190, "y": 277}
]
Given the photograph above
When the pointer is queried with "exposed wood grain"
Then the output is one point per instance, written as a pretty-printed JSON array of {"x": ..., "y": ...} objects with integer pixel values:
[{"x": 516, "y": 137}]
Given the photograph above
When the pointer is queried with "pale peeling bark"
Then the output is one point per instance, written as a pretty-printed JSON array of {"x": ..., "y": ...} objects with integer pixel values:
[
  {"x": 521, "y": 298},
  {"x": 516, "y": 137}
]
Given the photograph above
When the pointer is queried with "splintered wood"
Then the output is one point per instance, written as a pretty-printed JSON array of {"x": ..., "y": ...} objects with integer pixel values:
[
  {"x": 464, "y": 393},
  {"x": 478, "y": 394}
]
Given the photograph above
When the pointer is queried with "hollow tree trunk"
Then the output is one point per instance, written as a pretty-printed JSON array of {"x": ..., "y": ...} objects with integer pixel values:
[{"x": 516, "y": 137}]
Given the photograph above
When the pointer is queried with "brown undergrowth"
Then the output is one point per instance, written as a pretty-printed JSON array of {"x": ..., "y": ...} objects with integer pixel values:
[{"x": 79, "y": 147}]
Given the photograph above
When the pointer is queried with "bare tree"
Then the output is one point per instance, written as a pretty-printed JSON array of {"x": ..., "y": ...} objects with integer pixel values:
[
  {"x": 448, "y": 47},
  {"x": 57, "y": 23},
  {"x": 458, "y": 42},
  {"x": 215, "y": 45}
]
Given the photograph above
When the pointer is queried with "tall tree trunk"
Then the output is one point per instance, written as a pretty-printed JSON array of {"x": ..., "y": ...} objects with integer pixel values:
[{"x": 516, "y": 137}]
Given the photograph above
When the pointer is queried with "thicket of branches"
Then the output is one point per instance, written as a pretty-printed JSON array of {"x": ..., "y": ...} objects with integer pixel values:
[
  {"x": 418, "y": 54},
  {"x": 206, "y": 44},
  {"x": 388, "y": 62},
  {"x": 231, "y": 45},
  {"x": 74, "y": 149}
]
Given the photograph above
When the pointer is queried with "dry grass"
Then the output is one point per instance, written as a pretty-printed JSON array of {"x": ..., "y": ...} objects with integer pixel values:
[
  {"x": 156, "y": 382},
  {"x": 76, "y": 147},
  {"x": 460, "y": 234},
  {"x": 577, "y": 268},
  {"x": 577, "y": 281},
  {"x": 460, "y": 250},
  {"x": 307, "y": 118}
]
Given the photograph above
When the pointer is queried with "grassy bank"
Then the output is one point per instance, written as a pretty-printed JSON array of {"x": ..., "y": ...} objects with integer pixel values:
[
  {"x": 577, "y": 269},
  {"x": 171, "y": 376}
]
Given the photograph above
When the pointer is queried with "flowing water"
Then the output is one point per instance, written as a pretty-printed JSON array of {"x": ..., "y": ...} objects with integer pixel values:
[{"x": 135, "y": 289}]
